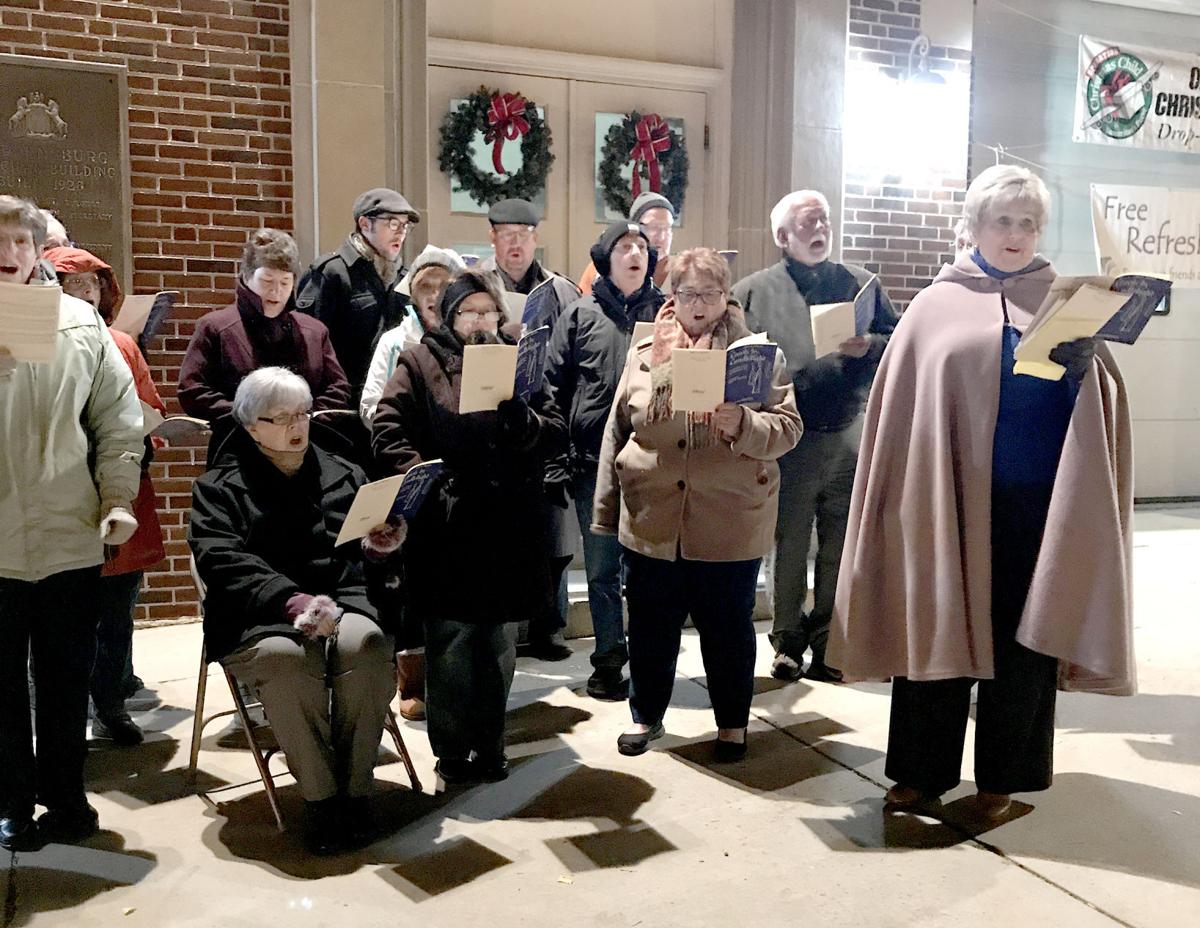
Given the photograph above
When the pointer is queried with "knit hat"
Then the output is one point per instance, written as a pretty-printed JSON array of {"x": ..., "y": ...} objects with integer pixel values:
[
  {"x": 648, "y": 201},
  {"x": 601, "y": 252},
  {"x": 68, "y": 260},
  {"x": 431, "y": 256},
  {"x": 462, "y": 286}
]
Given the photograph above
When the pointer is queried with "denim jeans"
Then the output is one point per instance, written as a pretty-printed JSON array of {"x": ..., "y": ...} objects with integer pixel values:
[{"x": 602, "y": 559}]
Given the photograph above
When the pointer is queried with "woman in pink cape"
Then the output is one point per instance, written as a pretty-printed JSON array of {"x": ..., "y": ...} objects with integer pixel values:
[{"x": 990, "y": 528}]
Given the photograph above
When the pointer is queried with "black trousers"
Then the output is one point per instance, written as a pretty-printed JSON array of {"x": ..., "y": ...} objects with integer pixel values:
[
  {"x": 719, "y": 596},
  {"x": 55, "y": 620},
  {"x": 117, "y": 597},
  {"x": 1014, "y": 717}
]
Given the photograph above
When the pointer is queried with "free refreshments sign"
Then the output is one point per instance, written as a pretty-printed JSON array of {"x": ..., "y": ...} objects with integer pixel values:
[
  {"x": 1137, "y": 97},
  {"x": 1148, "y": 230}
]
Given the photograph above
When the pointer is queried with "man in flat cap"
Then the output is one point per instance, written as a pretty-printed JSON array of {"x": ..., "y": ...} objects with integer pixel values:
[
  {"x": 353, "y": 290},
  {"x": 514, "y": 239}
]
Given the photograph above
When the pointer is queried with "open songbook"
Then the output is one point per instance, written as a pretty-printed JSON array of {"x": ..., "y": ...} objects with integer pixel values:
[
  {"x": 492, "y": 373},
  {"x": 835, "y": 323},
  {"x": 1115, "y": 309},
  {"x": 171, "y": 428},
  {"x": 702, "y": 379},
  {"x": 389, "y": 499},
  {"x": 29, "y": 321}
]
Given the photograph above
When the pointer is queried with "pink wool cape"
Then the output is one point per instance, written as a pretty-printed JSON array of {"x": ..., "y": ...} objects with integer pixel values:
[{"x": 914, "y": 591}]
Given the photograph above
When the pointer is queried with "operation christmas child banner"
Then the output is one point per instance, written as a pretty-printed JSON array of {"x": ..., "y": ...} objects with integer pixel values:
[
  {"x": 1148, "y": 230},
  {"x": 1137, "y": 97}
]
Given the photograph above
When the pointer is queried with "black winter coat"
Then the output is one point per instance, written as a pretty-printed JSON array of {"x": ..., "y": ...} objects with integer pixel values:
[
  {"x": 259, "y": 537},
  {"x": 344, "y": 291},
  {"x": 477, "y": 549},
  {"x": 587, "y": 352}
]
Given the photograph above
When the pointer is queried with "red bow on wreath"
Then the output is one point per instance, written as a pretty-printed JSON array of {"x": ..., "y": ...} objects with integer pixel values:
[
  {"x": 653, "y": 136},
  {"x": 506, "y": 120}
]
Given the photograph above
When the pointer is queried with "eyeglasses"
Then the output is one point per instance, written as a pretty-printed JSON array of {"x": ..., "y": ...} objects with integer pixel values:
[
  {"x": 518, "y": 234},
  {"x": 656, "y": 228},
  {"x": 487, "y": 315},
  {"x": 707, "y": 297},
  {"x": 394, "y": 223},
  {"x": 287, "y": 419}
]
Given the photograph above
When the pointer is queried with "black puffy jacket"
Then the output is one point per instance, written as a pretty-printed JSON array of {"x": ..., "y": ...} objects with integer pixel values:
[{"x": 587, "y": 353}]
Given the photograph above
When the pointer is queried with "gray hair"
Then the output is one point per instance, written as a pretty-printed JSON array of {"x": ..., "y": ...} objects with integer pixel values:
[
  {"x": 1003, "y": 185},
  {"x": 25, "y": 214},
  {"x": 273, "y": 249},
  {"x": 268, "y": 388},
  {"x": 56, "y": 232},
  {"x": 782, "y": 210}
]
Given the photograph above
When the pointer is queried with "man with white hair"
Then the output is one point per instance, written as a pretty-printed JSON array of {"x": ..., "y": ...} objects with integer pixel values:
[{"x": 817, "y": 476}]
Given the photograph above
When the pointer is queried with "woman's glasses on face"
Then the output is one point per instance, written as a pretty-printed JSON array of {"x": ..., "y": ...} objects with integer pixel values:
[
  {"x": 471, "y": 315},
  {"x": 288, "y": 419},
  {"x": 706, "y": 297}
]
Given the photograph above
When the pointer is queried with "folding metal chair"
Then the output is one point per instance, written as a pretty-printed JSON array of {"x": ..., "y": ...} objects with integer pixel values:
[{"x": 241, "y": 708}]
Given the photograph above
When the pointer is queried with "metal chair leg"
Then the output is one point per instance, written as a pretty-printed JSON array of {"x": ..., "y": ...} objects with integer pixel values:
[
  {"x": 264, "y": 771},
  {"x": 393, "y": 728}
]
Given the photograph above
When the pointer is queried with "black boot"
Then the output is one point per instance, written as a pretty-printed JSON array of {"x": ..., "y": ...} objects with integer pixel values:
[{"x": 323, "y": 827}]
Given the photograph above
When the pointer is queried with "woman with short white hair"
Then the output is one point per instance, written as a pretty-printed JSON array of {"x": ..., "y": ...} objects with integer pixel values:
[
  {"x": 286, "y": 610},
  {"x": 989, "y": 534}
]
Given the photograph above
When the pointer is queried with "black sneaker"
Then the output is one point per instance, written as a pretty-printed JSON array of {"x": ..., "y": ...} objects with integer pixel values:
[
  {"x": 552, "y": 647},
  {"x": 19, "y": 834},
  {"x": 456, "y": 770},
  {"x": 822, "y": 673},
  {"x": 608, "y": 685},
  {"x": 322, "y": 830},
  {"x": 68, "y": 825},
  {"x": 631, "y": 744},
  {"x": 119, "y": 729}
]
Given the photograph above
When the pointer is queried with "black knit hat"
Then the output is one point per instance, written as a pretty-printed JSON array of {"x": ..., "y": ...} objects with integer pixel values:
[{"x": 602, "y": 251}]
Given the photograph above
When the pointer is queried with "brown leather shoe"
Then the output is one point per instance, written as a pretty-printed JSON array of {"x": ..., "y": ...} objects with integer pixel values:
[{"x": 410, "y": 685}]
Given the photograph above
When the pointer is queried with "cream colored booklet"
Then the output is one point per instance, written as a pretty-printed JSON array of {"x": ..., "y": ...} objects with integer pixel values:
[
  {"x": 393, "y": 498},
  {"x": 487, "y": 378},
  {"x": 29, "y": 321},
  {"x": 703, "y": 379},
  {"x": 1074, "y": 308},
  {"x": 835, "y": 323}
]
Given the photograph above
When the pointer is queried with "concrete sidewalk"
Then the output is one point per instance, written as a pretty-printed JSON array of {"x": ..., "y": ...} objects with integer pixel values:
[{"x": 581, "y": 836}]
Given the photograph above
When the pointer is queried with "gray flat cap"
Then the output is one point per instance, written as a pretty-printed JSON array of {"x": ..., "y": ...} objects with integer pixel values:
[
  {"x": 382, "y": 200},
  {"x": 513, "y": 212}
]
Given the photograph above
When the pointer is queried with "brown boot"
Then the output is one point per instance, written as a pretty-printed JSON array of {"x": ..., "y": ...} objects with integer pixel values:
[{"x": 410, "y": 684}]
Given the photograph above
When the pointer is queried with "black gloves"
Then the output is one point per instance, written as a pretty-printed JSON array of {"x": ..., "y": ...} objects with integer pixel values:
[
  {"x": 518, "y": 423},
  {"x": 558, "y": 493},
  {"x": 1075, "y": 356}
]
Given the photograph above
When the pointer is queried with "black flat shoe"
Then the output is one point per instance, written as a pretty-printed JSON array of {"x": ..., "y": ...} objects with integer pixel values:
[
  {"x": 491, "y": 769},
  {"x": 66, "y": 826},
  {"x": 119, "y": 729},
  {"x": 822, "y": 673},
  {"x": 19, "y": 834},
  {"x": 548, "y": 648},
  {"x": 634, "y": 743},
  {"x": 358, "y": 827},
  {"x": 455, "y": 770},
  {"x": 728, "y": 752}
]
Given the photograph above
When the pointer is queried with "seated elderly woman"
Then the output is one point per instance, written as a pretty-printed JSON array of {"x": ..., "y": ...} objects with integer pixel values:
[
  {"x": 989, "y": 534},
  {"x": 693, "y": 498},
  {"x": 288, "y": 612},
  {"x": 260, "y": 329},
  {"x": 477, "y": 559}
]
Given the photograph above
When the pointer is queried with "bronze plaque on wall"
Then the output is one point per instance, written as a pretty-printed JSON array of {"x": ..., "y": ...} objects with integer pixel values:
[{"x": 64, "y": 143}]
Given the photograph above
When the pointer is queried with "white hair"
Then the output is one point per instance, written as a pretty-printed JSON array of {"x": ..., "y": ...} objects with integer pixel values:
[
  {"x": 56, "y": 232},
  {"x": 269, "y": 388},
  {"x": 782, "y": 210},
  {"x": 1003, "y": 185}
]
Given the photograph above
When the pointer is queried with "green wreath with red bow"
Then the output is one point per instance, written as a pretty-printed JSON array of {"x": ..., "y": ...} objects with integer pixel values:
[
  {"x": 658, "y": 155},
  {"x": 503, "y": 118}
]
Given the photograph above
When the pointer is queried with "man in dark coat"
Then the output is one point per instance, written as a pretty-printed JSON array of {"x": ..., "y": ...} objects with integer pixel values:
[
  {"x": 353, "y": 290},
  {"x": 587, "y": 353},
  {"x": 817, "y": 476},
  {"x": 475, "y": 561}
]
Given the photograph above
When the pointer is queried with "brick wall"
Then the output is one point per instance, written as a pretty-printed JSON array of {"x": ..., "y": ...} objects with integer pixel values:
[
  {"x": 210, "y": 159},
  {"x": 900, "y": 225}
]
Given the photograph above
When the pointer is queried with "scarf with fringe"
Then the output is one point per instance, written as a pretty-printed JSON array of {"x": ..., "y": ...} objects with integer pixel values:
[
  {"x": 387, "y": 270},
  {"x": 669, "y": 334}
]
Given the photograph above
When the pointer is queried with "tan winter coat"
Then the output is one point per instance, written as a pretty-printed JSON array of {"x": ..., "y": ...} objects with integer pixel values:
[
  {"x": 715, "y": 503},
  {"x": 914, "y": 592}
]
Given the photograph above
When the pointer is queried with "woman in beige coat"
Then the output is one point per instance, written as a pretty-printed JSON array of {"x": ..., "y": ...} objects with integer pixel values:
[
  {"x": 693, "y": 499},
  {"x": 989, "y": 533}
]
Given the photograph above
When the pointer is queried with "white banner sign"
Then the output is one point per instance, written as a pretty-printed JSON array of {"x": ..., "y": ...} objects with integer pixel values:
[
  {"x": 1148, "y": 230},
  {"x": 1137, "y": 97}
]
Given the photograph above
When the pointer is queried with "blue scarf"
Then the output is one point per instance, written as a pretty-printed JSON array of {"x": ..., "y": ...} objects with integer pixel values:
[{"x": 996, "y": 272}]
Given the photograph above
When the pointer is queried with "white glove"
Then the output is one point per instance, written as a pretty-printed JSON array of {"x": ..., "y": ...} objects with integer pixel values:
[
  {"x": 319, "y": 619},
  {"x": 117, "y": 526}
]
